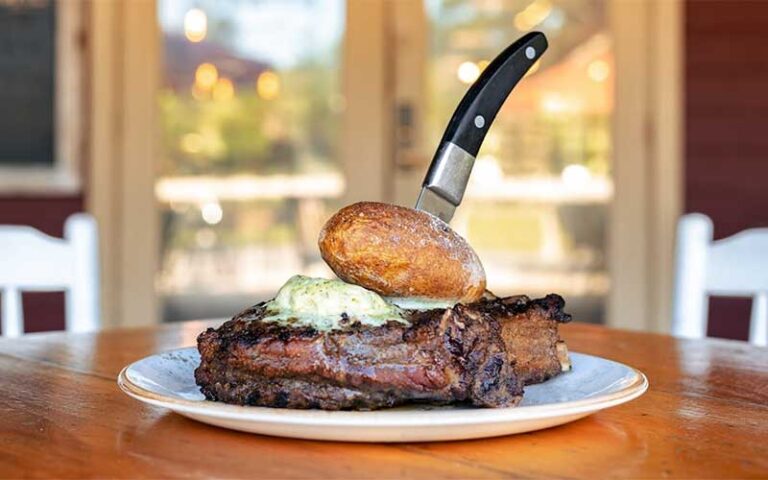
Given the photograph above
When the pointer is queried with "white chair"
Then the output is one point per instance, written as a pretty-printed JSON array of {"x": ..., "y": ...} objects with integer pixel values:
[
  {"x": 736, "y": 266},
  {"x": 33, "y": 261}
]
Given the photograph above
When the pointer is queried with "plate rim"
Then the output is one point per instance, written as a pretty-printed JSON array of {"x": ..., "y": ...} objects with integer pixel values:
[{"x": 382, "y": 418}]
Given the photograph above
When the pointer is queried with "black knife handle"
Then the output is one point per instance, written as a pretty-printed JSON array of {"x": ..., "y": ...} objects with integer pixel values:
[{"x": 481, "y": 103}]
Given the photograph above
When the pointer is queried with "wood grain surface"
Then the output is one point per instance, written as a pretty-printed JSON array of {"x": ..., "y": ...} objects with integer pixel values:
[{"x": 62, "y": 415}]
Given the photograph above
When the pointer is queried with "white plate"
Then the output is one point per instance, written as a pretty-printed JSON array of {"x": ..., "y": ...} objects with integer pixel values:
[{"x": 167, "y": 380}]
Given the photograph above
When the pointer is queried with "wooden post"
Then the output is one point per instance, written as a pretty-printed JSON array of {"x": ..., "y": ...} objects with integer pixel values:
[{"x": 125, "y": 46}]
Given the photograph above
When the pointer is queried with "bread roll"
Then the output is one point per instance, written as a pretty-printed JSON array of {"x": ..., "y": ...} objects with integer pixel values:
[{"x": 401, "y": 252}]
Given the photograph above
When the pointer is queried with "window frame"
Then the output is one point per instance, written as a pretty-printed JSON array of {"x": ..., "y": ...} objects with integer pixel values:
[{"x": 69, "y": 113}]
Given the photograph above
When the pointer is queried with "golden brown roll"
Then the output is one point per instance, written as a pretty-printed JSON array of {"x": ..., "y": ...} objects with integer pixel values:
[{"x": 401, "y": 252}]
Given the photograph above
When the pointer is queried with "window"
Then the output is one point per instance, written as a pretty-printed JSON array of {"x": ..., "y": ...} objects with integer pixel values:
[
  {"x": 536, "y": 209},
  {"x": 250, "y": 112}
]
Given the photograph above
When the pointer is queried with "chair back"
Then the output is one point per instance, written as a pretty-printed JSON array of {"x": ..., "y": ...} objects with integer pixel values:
[
  {"x": 34, "y": 261},
  {"x": 736, "y": 266}
]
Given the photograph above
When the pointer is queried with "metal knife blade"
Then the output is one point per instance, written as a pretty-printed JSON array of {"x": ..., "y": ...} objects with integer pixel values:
[
  {"x": 433, "y": 203},
  {"x": 444, "y": 185}
]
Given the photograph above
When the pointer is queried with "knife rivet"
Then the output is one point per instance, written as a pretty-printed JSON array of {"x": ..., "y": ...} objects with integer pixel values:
[
  {"x": 530, "y": 52},
  {"x": 479, "y": 121}
]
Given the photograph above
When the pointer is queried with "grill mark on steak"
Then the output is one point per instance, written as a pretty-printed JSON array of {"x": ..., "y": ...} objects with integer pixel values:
[{"x": 477, "y": 354}]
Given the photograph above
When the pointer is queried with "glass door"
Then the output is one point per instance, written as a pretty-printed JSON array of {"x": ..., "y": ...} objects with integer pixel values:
[
  {"x": 252, "y": 108},
  {"x": 537, "y": 206},
  {"x": 250, "y": 111}
]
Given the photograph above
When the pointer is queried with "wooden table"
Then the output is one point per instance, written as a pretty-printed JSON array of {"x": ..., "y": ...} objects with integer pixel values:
[{"x": 62, "y": 415}]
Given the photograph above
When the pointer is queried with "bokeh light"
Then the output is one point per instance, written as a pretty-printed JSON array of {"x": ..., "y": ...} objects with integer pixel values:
[
  {"x": 195, "y": 25},
  {"x": 468, "y": 72},
  {"x": 211, "y": 213},
  {"x": 206, "y": 76},
  {"x": 268, "y": 85}
]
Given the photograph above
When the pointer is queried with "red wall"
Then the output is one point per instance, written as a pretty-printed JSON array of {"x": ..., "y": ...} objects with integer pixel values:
[
  {"x": 726, "y": 128},
  {"x": 42, "y": 311}
]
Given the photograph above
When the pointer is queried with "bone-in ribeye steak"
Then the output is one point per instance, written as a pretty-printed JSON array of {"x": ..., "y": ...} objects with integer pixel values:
[{"x": 481, "y": 354}]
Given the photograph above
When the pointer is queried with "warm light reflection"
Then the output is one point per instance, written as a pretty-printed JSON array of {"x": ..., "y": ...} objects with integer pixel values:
[
  {"x": 212, "y": 212},
  {"x": 576, "y": 176},
  {"x": 553, "y": 103},
  {"x": 482, "y": 64},
  {"x": 468, "y": 72},
  {"x": 224, "y": 89},
  {"x": 532, "y": 15},
  {"x": 598, "y": 70},
  {"x": 206, "y": 76},
  {"x": 195, "y": 25},
  {"x": 268, "y": 85}
]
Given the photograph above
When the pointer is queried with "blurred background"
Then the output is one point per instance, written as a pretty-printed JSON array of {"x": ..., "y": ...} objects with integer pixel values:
[{"x": 211, "y": 139}]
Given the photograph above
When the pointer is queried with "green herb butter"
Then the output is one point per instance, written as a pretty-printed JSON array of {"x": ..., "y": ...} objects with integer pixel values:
[{"x": 329, "y": 305}]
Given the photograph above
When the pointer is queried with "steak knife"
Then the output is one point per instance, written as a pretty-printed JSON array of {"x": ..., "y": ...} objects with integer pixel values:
[{"x": 443, "y": 187}]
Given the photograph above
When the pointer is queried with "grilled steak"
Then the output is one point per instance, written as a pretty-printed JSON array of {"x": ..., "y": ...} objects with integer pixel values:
[
  {"x": 530, "y": 332},
  {"x": 443, "y": 356},
  {"x": 480, "y": 354}
]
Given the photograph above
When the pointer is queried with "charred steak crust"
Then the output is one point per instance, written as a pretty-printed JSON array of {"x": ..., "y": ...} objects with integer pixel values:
[
  {"x": 443, "y": 356},
  {"x": 529, "y": 329}
]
